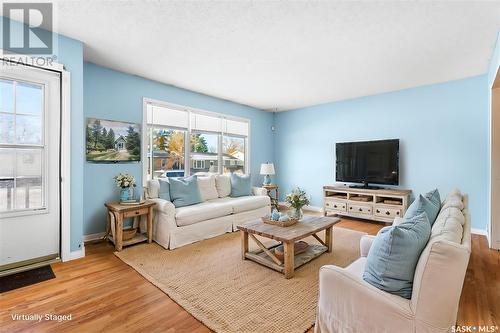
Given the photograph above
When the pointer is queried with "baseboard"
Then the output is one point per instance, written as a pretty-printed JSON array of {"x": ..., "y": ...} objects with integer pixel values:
[
  {"x": 481, "y": 232},
  {"x": 93, "y": 237},
  {"x": 310, "y": 208},
  {"x": 77, "y": 254}
]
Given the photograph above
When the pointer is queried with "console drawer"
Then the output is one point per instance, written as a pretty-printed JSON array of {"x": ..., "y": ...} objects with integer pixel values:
[
  {"x": 137, "y": 212},
  {"x": 360, "y": 209},
  {"x": 387, "y": 212},
  {"x": 335, "y": 205}
]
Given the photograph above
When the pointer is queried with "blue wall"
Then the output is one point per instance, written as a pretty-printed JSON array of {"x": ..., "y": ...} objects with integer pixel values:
[
  {"x": 443, "y": 130},
  {"x": 69, "y": 52},
  {"x": 109, "y": 94}
]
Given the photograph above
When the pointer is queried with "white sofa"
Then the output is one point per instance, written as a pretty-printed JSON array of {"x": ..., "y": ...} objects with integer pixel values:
[
  {"x": 349, "y": 304},
  {"x": 217, "y": 214}
]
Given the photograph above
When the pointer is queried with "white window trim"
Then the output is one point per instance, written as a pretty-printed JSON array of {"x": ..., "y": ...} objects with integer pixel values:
[
  {"x": 145, "y": 139},
  {"x": 66, "y": 253}
]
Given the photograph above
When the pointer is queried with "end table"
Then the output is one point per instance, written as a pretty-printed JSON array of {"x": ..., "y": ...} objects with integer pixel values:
[
  {"x": 117, "y": 212},
  {"x": 275, "y": 197}
]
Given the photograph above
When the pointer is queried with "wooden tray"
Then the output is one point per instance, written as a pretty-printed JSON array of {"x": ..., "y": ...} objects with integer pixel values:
[
  {"x": 288, "y": 223},
  {"x": 299, "y": 248}
]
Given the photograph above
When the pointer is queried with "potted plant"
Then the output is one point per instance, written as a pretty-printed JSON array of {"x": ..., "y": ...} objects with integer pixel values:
[
  {"x": 127, "y": 183},
  {"x": 297, "y": 199}
]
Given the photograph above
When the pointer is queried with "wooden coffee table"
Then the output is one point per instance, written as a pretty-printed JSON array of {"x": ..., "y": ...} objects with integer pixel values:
[{"x": 308, "y": 226}]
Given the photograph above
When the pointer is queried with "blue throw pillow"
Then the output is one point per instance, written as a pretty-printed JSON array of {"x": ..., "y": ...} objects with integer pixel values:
[
  {"x": 423, "y": 205},
  {"x": 184, "y": 191},
  {"x": 394, "y": 254},
  {"x": 164, "y": 192},
  {"x": 434, "y": 197},
  {"x": 240, "y": 185}
]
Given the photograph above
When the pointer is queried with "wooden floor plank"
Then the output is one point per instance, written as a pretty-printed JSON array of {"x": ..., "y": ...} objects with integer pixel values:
[{"x": 103, "y": 294}]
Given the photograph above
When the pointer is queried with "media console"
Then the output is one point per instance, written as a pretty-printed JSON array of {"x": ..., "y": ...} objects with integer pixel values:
[{"x": 381, "y": 205}]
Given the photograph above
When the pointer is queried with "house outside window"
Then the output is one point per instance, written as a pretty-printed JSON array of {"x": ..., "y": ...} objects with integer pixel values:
[{"x": 180, "y": 141}]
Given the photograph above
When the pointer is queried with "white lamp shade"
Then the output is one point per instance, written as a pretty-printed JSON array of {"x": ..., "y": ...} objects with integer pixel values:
[{"x": 267, "y": 169}]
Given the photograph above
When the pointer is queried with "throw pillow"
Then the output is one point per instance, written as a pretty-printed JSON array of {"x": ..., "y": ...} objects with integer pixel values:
[
  {"x": 394, "y": 254},
  {"x": 164, "y": 191},
  {"x": 422, "y": 205},
  {"x": 223, "y": 185},
  {"x": 434, "y": 197},
  {"x": 184, "y": 191},
  {"x": 207, "y": 187},
  {"x": 240, "y": 185}
]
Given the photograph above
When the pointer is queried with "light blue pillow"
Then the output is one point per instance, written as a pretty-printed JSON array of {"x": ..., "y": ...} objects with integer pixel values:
[
  {"x": 184, "y": 191},
  {"x": 164, "y": 192},
  {"x": 393, "y": 256},
  {"x": 434, "y": 197},
  {"x": 423, "y": 205},
  {"x": 240, "y": 185}
]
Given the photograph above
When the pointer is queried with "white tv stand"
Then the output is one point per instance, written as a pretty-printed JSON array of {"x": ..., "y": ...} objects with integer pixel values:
[{"x": 381, "y": 205}]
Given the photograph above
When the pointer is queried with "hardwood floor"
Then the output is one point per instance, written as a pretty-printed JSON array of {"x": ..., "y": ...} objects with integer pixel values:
[{"x": 103, "y": 294}]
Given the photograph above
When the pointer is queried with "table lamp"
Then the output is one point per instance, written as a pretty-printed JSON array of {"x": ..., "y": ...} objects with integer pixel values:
[{"x": 267, "y": 169}]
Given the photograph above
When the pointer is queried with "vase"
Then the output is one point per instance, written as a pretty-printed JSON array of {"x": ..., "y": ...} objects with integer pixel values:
[
  {"x": 297, "y": 213},
  {"x": 125, "y": 194}
]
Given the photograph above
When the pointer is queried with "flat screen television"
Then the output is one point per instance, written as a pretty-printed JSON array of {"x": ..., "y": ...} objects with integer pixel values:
[
  {"x": 112, "y": 141},
  {"x": 375, "y": 162}
]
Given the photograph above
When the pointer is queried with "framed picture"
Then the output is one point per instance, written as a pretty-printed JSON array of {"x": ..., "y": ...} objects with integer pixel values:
[{"x": 112, "y": 141}]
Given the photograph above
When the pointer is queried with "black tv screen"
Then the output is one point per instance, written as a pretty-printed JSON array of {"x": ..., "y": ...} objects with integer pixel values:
[{"x": 368, "y": 162}]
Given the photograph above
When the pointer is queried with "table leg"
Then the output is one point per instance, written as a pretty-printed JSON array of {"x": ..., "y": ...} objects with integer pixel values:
[
  {"x": 244, "y": 244},
  {"x": 329, "y": 239},
  {"x": 119, "y": 232},
  {"x": 150, "y": 224},
  {"x": 289, "y": 248},
  {"x": 108, "y": 225}
]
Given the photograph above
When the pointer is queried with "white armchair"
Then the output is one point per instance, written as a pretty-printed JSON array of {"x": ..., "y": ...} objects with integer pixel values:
[{"x": 349, "y": 304}]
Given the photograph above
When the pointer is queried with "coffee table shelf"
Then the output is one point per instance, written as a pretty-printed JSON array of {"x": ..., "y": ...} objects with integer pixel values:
[{"x": 308, "y": 226}]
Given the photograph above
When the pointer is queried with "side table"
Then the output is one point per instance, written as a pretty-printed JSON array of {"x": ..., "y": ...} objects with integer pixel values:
[
  {"x": 275, "y": 197},
  {"x": 118, "y": 212}
]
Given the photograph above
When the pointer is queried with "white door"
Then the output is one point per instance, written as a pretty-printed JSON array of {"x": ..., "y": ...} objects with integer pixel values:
[{"x": 30, "y": 108}]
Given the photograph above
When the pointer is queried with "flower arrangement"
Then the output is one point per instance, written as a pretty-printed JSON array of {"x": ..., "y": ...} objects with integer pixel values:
[
  {"x": 297, "y": 198},
  {"x": 124, "y": 180}
]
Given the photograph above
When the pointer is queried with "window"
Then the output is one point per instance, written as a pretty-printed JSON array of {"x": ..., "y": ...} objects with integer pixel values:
[
  {"x": 22, "y": 149},
  {"x": 193, "y": 142}
]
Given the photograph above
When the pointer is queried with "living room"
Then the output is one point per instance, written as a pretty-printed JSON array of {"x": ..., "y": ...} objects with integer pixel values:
[{"x": 250, "y": 166}]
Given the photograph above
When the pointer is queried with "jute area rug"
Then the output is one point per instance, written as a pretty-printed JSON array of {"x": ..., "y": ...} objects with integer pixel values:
[{"x": 211, "y": 281}]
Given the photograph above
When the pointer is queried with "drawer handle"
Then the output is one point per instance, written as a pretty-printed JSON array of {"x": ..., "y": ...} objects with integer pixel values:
[
  {"x": 378, "y": 210},
  {"x": 361, "y": 209},
  {"x": 350, "y": 207},
  {"x": 327, "y": 204},
  {"x": 387, "y": 213},
  {"x": 397, "y": 213},
  {"x": 136, "y": 213},
  {"x": 334, "y": 206}
]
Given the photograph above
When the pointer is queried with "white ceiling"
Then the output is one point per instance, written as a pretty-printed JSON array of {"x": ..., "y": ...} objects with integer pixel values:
[{"x": 283, "y": 54}]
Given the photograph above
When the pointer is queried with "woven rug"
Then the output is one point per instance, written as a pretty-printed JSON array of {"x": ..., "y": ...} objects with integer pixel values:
[{"x": 211, "y": 281}]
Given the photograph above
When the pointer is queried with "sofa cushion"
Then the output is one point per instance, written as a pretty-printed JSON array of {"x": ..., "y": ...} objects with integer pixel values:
[
  {"x": 454, "y": 199},
  {"x": 393, "y": 256},
  {"x": 164, "y": 191},
  {"x": 449, "y": 225},
  {"x": 422, "y": 205},
  {"x": 184, "y": 191},
  {"x": 153, "y": 188},
  {"x": 207, "y": 187},
  {"x": 201, "y": 212},
  {"x": 244, "y": 204},
  {"x": 241, "y": 185},
  {"x": 223, "y": 185}
]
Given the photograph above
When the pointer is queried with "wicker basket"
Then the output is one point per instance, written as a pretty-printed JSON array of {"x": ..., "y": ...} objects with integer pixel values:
[
  {"x": 288, "y": 223},
  {"x": 129, "y": 233}
]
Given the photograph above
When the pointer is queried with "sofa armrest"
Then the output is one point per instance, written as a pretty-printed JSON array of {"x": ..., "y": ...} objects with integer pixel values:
[
  {"x": 163, "y": 221},
  {"x": 365, "y": 243},
  {"x": 259, "y": 191},
  {"x": 347, "y": 303}
]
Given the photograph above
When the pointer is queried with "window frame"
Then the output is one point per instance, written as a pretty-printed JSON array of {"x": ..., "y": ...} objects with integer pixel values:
[
  {"x": 187, "y": 141},
  {"x": 42, "y": 147}
]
